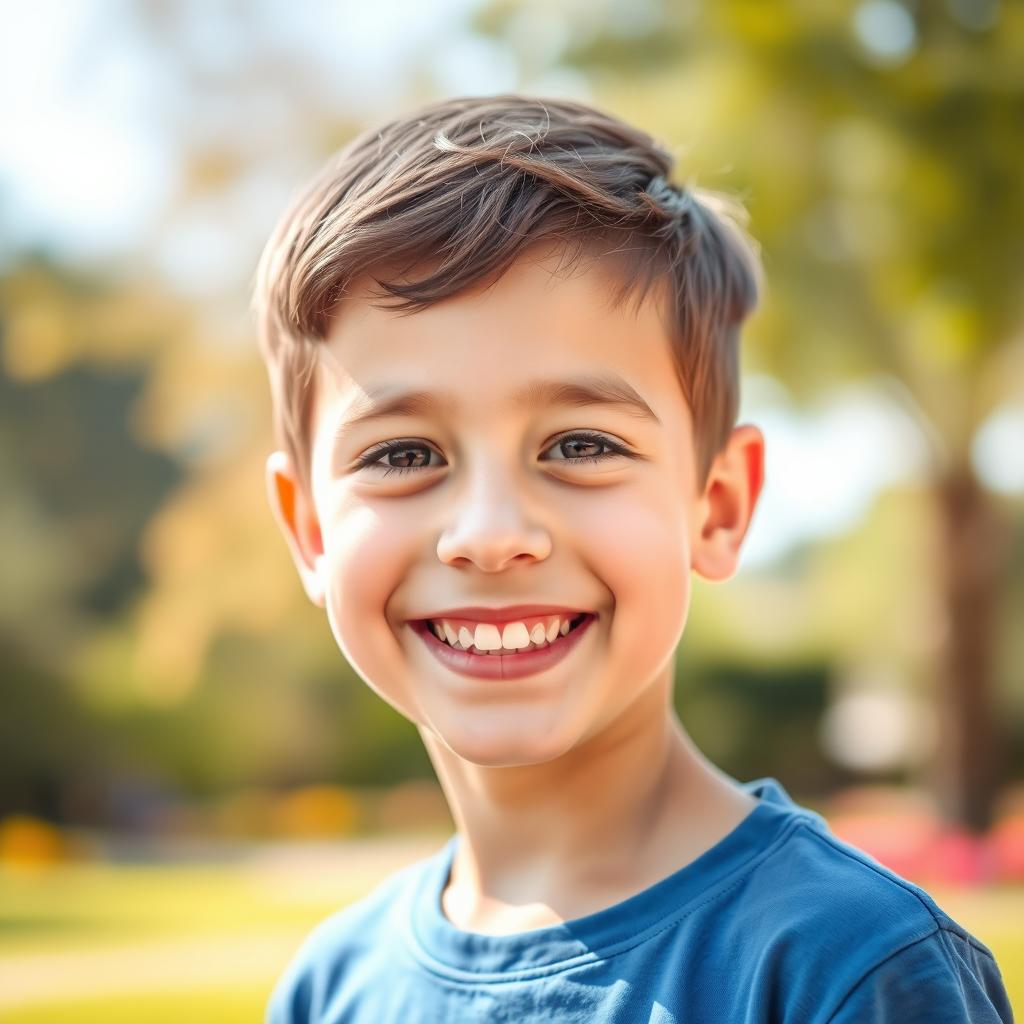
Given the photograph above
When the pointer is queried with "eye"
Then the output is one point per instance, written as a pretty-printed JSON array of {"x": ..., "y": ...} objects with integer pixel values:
[
  {"x": 586, "y": 442},
  {"x": 407, "y": 456},
  {"x": 406, "y": 452}
]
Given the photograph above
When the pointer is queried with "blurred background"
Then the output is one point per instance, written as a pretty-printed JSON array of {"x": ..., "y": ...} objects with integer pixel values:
[{"x": 190, "y": 774}]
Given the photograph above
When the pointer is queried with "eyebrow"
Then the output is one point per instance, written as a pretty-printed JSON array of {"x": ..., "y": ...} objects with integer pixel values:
[{"x": 381, "y": 403}]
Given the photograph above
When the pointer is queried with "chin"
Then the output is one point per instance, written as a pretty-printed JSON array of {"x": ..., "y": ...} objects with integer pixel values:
[{"x": 503, "y": 747}]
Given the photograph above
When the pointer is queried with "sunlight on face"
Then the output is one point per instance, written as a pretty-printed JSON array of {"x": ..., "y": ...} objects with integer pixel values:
[{"x": 494, "y": 485}]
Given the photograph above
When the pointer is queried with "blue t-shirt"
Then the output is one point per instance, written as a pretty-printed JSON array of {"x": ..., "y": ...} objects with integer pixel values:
[{"x": 780, "y": 921}]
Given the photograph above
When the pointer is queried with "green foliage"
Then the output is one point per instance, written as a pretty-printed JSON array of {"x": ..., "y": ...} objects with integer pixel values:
[
  {"x": 744, "y": 718},
  {"x": 152, "y": 627}
]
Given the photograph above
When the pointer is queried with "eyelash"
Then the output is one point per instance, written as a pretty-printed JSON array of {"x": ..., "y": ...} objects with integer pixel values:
[{"x": 371, "y": 460}]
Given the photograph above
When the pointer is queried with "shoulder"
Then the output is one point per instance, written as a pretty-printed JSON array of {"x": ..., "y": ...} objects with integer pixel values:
[
  {"x": 862, "y": 943},
  {"x": 947, "y": 977},
  {"x": 354, "y": 932}
]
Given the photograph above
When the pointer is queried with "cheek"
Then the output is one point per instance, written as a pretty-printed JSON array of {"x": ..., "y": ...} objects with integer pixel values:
[
  {"x": 639, "y": 547},
  {"x": 367, "y": 559}
]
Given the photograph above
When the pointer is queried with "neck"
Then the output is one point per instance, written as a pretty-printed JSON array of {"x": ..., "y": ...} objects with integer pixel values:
[{"x": 616, "y": 812}]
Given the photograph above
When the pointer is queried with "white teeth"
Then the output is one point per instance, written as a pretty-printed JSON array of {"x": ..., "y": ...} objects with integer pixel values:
[
  {"x": 487, "y": 637},
  {"x": 514, "y": 636}
]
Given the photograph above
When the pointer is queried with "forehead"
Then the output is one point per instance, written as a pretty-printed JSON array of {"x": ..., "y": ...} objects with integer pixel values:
[{"x": 539, "y": 334}]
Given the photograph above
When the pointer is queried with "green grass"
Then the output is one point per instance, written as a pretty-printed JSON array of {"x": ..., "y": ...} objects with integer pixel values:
[
  {"x": 165, "y": 943},
  {"x": 125, "y": 943},
  {"x": 228, "y": 1006},
  {"x": 90, "y": 904}
]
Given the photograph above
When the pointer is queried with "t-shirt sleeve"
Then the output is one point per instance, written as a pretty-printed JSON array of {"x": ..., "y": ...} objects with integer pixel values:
[
  {"x": 299, "y": 990},
  {"x": 290, "y": 1001},
  {"x": 943, "y": 978}
]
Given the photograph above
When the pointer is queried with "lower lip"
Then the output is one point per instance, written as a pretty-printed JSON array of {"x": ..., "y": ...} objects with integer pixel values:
[{"x": 502, "y": 666}]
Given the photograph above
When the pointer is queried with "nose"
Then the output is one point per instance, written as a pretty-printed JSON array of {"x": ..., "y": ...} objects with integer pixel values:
[{"x": 491, "y": 527}]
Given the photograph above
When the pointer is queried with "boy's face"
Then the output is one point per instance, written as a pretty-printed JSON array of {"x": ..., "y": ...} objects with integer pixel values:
[{"x": 496, "y": 506}]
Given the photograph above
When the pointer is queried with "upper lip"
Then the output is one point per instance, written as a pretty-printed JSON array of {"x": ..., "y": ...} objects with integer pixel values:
[{"x": 508, "y": 613}]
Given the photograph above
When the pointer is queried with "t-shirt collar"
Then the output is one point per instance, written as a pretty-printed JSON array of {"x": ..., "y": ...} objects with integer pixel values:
[{"x": 443, "y": 948}]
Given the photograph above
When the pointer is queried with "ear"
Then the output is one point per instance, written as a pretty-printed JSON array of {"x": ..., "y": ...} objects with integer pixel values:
[
  {"x": 724, "y": 511},
  {"x": 296, "y": 517}
]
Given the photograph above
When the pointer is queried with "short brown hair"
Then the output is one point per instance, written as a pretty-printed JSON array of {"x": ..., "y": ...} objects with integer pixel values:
[{"x": 465, "y": 185}]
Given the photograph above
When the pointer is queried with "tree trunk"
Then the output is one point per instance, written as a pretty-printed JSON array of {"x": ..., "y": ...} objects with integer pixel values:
[{"x": 968, "y": 760}]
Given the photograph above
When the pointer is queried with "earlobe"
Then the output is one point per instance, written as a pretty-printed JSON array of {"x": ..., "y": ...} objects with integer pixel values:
[
  {"x": 297, "y": 520},
  {"x": 725, "y": 510}
]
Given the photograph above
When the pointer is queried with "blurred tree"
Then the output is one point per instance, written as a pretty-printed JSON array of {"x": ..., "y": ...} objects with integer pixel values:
[
  {"x": 77, "y": 489},
  {"x": 880, "y": 148}
]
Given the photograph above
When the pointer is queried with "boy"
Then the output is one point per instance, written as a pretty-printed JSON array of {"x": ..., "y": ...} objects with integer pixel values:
[{"x": 503, "y": 357}]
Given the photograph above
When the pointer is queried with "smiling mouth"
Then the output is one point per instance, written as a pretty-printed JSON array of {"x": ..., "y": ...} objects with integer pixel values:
[{"x": 487, "y": 640}]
